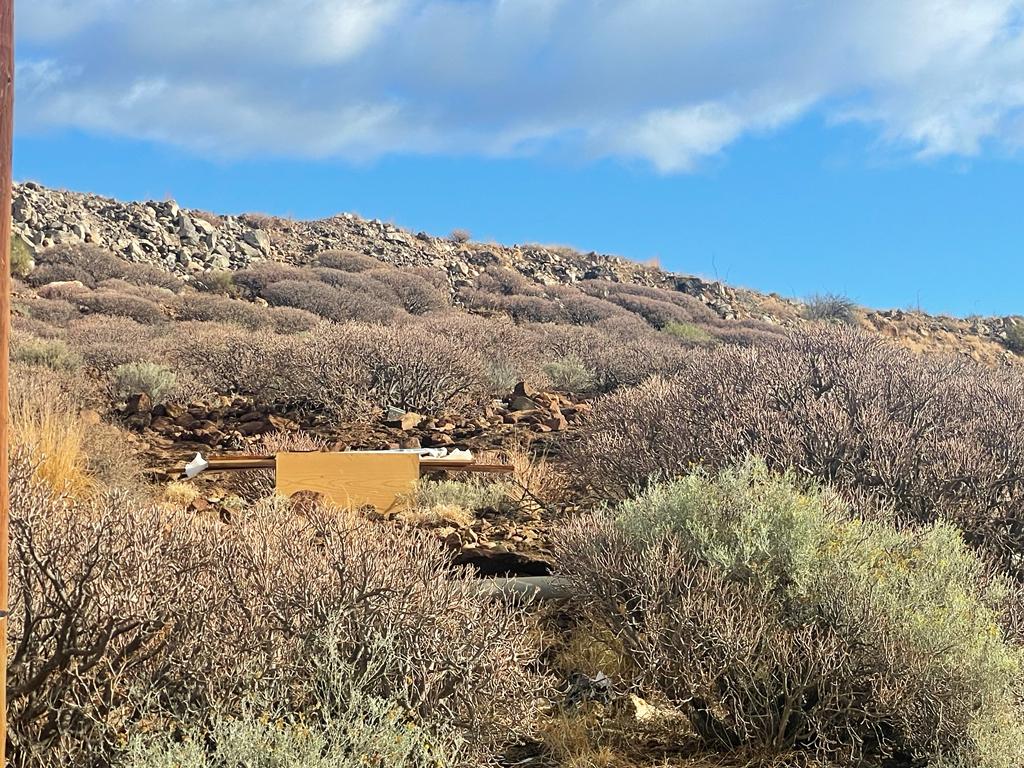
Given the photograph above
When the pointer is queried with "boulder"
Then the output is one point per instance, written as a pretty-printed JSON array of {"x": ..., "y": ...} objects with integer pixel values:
[{"x": 523, "y": 403}]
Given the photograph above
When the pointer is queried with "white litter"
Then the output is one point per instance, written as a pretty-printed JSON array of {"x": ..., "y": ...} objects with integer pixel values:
[{"x": 197, "y": 465}]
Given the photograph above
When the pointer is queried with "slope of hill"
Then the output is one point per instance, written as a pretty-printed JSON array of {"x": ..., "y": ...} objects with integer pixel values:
[
  {"x": 190, "y": 243},
  {"x": 817, "y": 530}
]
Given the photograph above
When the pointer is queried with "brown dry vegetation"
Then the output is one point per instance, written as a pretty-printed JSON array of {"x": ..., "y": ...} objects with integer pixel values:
[{"x": 787, "y": 548}]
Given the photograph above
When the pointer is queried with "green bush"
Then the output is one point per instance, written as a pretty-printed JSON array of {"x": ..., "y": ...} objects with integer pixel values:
[
  {"x": 349, "y": 728},
  {"x": 570, "y": 374},
  {"x": 52, "y": 353},
  {"x": 132, "y": 378},
  {"x": 22, "y": 261},
  {"x": 688, "y": 332},
  {"x": 780, "y": 622}
]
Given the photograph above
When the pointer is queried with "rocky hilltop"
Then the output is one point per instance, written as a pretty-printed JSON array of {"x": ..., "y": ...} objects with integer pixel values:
[{"x": 190, "y": 243}]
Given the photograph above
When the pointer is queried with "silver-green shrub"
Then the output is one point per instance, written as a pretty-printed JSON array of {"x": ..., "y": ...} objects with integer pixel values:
[
  {"x": 149, "y": 378},
  {"x": 781, "y": 622}
]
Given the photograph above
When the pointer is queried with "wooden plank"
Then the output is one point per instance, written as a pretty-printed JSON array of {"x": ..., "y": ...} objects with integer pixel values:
[
  {"x": 440, "y": 465},
  {"x": 350, "y": 479},
  {"x": 248, "y": 463}
]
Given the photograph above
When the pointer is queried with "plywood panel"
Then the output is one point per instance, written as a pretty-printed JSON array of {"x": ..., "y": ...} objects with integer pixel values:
[{"x": 350, "y": 479}]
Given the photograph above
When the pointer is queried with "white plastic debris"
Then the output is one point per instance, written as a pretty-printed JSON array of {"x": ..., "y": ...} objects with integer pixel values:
[{"x": 197, "y": 465}]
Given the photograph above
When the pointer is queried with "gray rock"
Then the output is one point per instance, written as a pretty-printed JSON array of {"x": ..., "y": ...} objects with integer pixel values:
[
  {"x": 187, "y": 230},
  {"x": 258, "y": 239}
]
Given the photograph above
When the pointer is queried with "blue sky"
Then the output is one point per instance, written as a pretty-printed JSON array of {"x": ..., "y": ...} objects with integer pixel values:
[{"x": 865, "y": 148}]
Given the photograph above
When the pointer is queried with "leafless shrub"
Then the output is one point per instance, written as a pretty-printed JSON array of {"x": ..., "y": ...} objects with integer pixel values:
[
  {"x": 107, "y": 342},
  {"x": 90, "y": 265},
  {"x": 415, "y": 294},
  {"x": 292, "y": 320},
  {"x": 57, "y": 312},
  {"x": 127, "y": 619},
  {"x": 217, "y": 281},
  {"x": 231, "y": 361},
  {"x": 208, "y": 308},
  {"x": 328, "y": 302},
  {"x": 259, "y": 483},
  {"x": 506, "y": 282},
  {"x": 460, "y": 236},
  {"x": 255, "y": 280},
  {"x": 620, "y": 351},
  {"x": 152, "y": 293},
  {"x": 422, "y": 369},
  {"x": 101, "y": 595},
  {"x": 115, "y": 304},
  {"x": 832, "y": 307},
  {"x": 580, "y": 309},
  {"x": 932, "y": 437},
  {"x": 347, "y": 261}
]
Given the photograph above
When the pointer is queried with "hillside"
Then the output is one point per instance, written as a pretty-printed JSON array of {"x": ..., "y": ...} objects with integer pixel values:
[
  {"x": 768, "y": 536},
  {"x": 189, "y": 243}
]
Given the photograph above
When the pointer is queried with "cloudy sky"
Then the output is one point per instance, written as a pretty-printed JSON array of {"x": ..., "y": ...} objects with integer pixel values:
[{"x": 871, "y": 147}]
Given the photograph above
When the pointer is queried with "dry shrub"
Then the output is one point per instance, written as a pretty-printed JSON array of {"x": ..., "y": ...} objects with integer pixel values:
[
  {"x": 291, "y": 320},
  {"x": 509, "y": 353},
  {"x": 780, "y": 623},
  {"x": 423, "y": 369},
  {"x": 255, "y": 280},
  {"x": 536, "y": 483},
  {"x": 347, "y": 261},
  {"x": 506, "y": 282},
  {"x": 106, "y": 302},
  {"x": 228, "y": 360},
  {"x": 154, "y": 293},
  {"x": 107, "y": 342},
  {"x": 931, "y": 437},
  {"x": 413, "y": 292},
  {"x": 831, "y": 307},
  {"x": 101, "y": 595},
  {"x": 456, "y": 502},
  {"x": 211, "y": 308},
  {"x": 618, "y": 352},
  {"x": 220, "y": 281},
  {"x": 328, "y": 301},
  {"x": 129, "y": 620},
  {"x": 59, "y": 312},
  {"x": 91, "y": 265}
]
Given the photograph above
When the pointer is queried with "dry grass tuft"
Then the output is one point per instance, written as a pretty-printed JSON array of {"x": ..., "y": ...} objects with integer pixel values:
[
  {"x": 46, "y": 424},
  {"x": 180, "y": 493}
]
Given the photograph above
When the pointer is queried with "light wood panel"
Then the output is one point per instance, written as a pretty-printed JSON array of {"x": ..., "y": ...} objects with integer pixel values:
[{"x": 350, "y": 479}]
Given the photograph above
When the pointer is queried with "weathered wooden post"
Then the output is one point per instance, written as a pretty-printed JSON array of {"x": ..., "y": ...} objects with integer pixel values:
[{"x": 6, "y": 141}]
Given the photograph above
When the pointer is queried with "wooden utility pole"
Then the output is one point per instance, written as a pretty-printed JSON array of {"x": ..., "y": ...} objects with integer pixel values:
[{"x": 6, "y": 145}]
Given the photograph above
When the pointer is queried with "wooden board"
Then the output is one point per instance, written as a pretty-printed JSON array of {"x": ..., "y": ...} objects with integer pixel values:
[{"x": 350, "y": 479}]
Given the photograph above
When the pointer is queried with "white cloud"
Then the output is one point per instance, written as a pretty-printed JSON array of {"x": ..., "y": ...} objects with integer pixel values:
[{"x": 668, "y": 81}]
